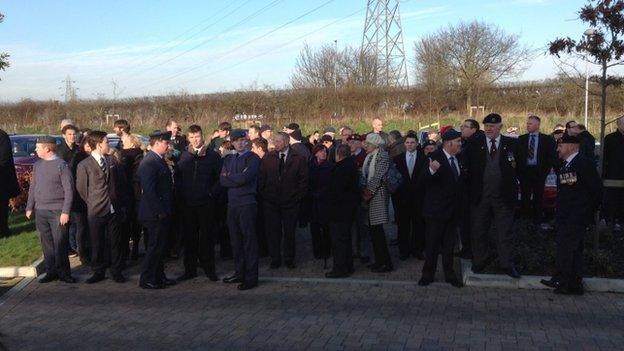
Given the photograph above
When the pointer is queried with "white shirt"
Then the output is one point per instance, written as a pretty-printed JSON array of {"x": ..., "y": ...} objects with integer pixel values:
[
  {"x": 285, "y": 153},
  {"x": 99, "y": 159},
  {"x": 488, "y": 142},
  {"x": 571, "y": 158},
  {"x": 413, "y": 155}
]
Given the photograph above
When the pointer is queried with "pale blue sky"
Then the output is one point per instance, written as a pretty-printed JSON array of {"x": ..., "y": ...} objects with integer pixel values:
[{"x": 157, "y": 47}]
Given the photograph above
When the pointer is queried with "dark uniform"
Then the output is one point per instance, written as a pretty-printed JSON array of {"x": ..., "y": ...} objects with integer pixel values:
[
  {"x": 579, "y": 194},
  {"x": 155, "y": 210},
  {"x": 10, "y": 188},
  {"x": 613, "y": 165}
]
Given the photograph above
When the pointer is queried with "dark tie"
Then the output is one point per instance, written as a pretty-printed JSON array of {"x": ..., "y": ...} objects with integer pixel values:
[
  {"x": 532, "y": 147},
  {"x": 281, "y": 163},
  {"x": 103, "y": 167},
  {"x": 454, "y": 167},
  {"x": 564, "y": 164},
  {"x": 493, "y": 148}
]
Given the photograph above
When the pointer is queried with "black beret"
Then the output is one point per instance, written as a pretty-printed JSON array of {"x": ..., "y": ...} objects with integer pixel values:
[
  {"x": 237, "y": 134},
  {"x": 451, "y": 134},
  {"x": 493, "y": 118},
  {"x": 430, "y": 142},
  {"x": 354, "y": 136},
  {"x": 327, "y": 137},
  {"x": 46, "y": 139},
  {"x": 293, "y": 126},
  {"x": 160, "y": 135},
  {"x": 569, "y": 139}
]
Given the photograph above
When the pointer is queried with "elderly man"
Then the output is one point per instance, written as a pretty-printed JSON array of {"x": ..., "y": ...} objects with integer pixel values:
[
  {"x": 579, "y": 194},
  {"x": 377, "y": 126},
  {"x": 283, "y": 183},
  {"x": 493, "y": 189}
]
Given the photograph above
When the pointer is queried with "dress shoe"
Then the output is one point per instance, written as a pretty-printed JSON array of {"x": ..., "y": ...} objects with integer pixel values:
[
  {"x": 275, "y": 265},
  {"x": 169, "y": 282},
  {"x": 151, "y": 286},
  {"x": 335, "y": 275},
  {"x": 382, "y": 269},
  {"x": 454, "y": 282},
  {"x": 425, "y": 281},
  {"x": 232, "y": 279},
  {"x": 119, "y": 278},
  {"x": 68, "y": 279},
  {"x": 48, "y": 278},
  {"x": 96, "y": 277},
  {"x": 512, "y": 272},
  {"x": 212, "y": 276},
  {"x": 562, "y": 290},
  {"x": 403, "y": 257},
  {"x": 550, "y": 283},
  {"x": 246, "y": 286},
  {"x": 186, "y": 276},
  {"x": 290, "y": 265}
]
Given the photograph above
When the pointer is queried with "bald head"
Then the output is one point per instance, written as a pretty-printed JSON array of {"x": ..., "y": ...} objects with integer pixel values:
[{"x": 377, "y": 125}]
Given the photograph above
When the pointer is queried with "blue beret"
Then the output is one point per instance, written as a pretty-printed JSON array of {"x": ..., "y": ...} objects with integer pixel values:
[
  {"x": 237, "y": 134},
  {"x": 451, "y": 134}
]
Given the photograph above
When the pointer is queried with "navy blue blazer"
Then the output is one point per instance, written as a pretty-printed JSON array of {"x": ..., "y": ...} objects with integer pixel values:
[
  {"x": 579, "y": 192},
  {"x": 156, "y": 188}
]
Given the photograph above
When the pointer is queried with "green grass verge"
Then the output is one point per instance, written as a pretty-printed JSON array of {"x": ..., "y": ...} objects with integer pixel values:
[{"x": 23, "y": 247}]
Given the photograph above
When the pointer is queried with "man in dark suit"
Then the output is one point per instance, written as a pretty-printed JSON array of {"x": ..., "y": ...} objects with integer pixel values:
[
  {"x": 155, "y": 210},
  {"x": 343, "y": 202},
  {"x": 10, "y": 188},
  {"x": 493, "y": 188},
  {"x": 197, "y": 179},
  {"x": 613, "y": 172},
  {"x": 409, "y": 199},
  {"x": 283, "y": 183},
  {"x": 442, "y": 183},
  {"x": 240, "y": 176},
  {"x": 68, "y": 147},
  {"x": 579, "y": 195},
  {"x": 536, "y": 155},
  {"x": 101, "y": 184}
]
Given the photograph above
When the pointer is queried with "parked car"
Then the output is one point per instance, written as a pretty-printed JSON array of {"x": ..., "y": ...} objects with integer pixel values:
[
  {"x": 113, "y": 140},
  {"x": 24, "y": 154}
]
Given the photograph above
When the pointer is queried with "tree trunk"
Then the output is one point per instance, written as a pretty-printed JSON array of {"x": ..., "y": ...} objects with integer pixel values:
[{"x": 469, "y": 101}]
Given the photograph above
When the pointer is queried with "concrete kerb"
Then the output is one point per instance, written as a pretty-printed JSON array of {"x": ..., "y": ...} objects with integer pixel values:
[
  {"x": 531, "y": 281},
  {"x": 31, "y": 271}
]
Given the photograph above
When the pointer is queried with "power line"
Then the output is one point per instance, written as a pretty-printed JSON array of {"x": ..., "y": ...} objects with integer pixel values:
[{"x": 203, "y": 63}]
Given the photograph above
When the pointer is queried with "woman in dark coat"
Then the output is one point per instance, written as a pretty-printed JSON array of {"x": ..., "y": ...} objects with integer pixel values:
[
  {"x": 320, "y": 173},
  {"x": 78, "y": 215},
  {"x": 130, "y": 158}
]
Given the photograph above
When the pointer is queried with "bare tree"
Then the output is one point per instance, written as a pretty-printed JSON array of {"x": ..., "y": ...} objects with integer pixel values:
[
  {"x": 4, "y": 62},
  {"x": 470, "y": 56}
]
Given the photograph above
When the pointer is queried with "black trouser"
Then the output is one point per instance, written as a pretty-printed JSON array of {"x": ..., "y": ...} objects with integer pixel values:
[
  {"x": 464, "y": 225},
  {"x": 134, "y": 232},
  {"x": 614, "y": 204},
  {"x": 153, "y": 269},
  {"x": 54, "y": 242},
  {"x": 482, "y": 214},
  {"x": 281, "y": 224},
  {"x": 380, "y": 247},
  {"x": 107, "y": 244},
  {"x": 263, "y": 245},
  {"x": 532, "y": 194},
  {"x": 4, "y": 217},
  {"x": 440, "y": 237},
  {"x": 174, "y": 241},
  {"x": 410, "y": 229},
  {"x": 242, "y": 224},
  {"x": 199, "y": 238},
  {"x": 569, "y": 257},
  {"x": 223, "y": 233},
  {"x": 341, "y": 247},
  {"x": 321, "y": 241},
  {"x": 79, "y": 219}
]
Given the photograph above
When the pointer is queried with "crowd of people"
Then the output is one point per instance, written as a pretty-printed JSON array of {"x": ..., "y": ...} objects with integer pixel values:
[{"x": 452, "y": 192}]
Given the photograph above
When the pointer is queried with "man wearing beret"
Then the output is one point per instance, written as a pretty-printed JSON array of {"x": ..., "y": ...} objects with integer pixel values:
[
  {"x": 239, "y": 175},
  {"x": 155, "y": 210},
  {"x": 443, "y": 183},
  {"x": 579, "y": 194},
  {"x": 493, "y": 188}
]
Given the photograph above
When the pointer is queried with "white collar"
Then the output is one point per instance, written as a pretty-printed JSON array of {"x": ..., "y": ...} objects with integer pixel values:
[
  {"x": 571, "y": 157},
  {"x": 448, "y": 156},
  {"x": 96, "y": 155}
]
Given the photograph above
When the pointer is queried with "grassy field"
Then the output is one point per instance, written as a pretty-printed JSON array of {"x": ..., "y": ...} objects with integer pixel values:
[{"x": 23, "y": 247}]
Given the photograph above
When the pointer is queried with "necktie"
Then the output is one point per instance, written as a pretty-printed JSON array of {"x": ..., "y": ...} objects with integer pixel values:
[
  {"x": 103, "y": 166},
  {"x": 410, "y": 164},
  {"x": 532, "y": 147},
  {"x": 454, "y": 167},
  {"x": 564, "y": 164},
  {"x": 493, "y": 148},
  {"x": 281, "y": 163}
]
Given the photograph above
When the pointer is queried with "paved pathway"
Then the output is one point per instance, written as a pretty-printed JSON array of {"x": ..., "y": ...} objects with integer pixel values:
[{"x": 294, "y": 310}]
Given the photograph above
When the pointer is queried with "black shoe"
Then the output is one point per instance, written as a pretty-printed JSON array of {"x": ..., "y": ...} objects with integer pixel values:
[
  {"x": 186, "y": 276},
  {"x": 334, "y": 275},
  {"x": 561, "y": 290},
  {"x": 212, "y": 276},
  {"x": 232, "y": 280},
  {"x": 151, "y": 286},
  {"x": 419, "y": 255},
  {"x": 246, "y": 286},
  {"x": 403, "y": 257},
  {"x": 48, "y": 278},
  {"x": 425, "y": 281},
  {"x": 382, "y": 269},
  {"x": 464, "y": 254},
  {"x": 373, "y": 266},
  {"x": 275, "y": 265},
  {"x": 478, "y": 268},
  {"x": 169, "y": 282},
  {"x": 119, "y": 278},
  {"x": 512, "y": 272},
  {"x": 454, "y": 282},
  {"x": 68, "y": 279},
  {"x": 290, "y": 265},
  {"x": 550, "y": 283},
  {"x": 96, "y": 277}
]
